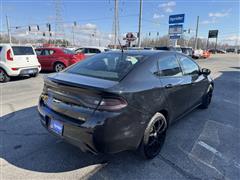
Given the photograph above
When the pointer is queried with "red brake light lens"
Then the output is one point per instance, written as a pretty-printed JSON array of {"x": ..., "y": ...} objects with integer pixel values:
[{"x": 9, "y": 55}]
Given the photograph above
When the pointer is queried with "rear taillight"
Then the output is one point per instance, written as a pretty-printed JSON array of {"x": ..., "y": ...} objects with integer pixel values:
[
  {"x": 9, "y": 55},
  {"x": 108, "y": 104},
  {"x": 112, "y": 104}
]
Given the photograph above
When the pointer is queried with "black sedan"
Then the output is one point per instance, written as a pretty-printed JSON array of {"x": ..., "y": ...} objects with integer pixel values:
[{"x": 118, "y": 101}]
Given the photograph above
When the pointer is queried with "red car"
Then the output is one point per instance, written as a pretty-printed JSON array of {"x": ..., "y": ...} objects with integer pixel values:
[{"x": 57, "y": 59}]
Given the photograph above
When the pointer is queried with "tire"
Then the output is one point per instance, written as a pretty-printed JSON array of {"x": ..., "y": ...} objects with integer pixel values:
[
  {"x": 207, "y": 98},
  {"x": 154, "y": 136},
  {"x": 4, "y": 76},
  {"x": 59, "y": 67},
  {"x": 34, "y": 75}
]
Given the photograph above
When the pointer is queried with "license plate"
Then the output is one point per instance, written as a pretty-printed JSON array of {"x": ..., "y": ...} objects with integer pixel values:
[
  {"x": 56, "y": 126},
  {"x": 31, "y": 71}
]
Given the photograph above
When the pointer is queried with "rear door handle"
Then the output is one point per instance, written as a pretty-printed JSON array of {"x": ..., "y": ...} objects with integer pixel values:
[{"x": 169, "y": 86}]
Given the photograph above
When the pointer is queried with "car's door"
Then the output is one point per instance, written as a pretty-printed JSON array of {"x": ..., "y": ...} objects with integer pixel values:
[
  {"x": 176, "y": 86},
  {"x": 199, "y": 83},
  {"x": 46, "y": 59}
]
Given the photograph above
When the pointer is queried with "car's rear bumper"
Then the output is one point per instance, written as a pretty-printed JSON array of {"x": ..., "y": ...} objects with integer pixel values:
[
  {"x": 103, "y": 132},
  {"x": 22, "y": 70}
]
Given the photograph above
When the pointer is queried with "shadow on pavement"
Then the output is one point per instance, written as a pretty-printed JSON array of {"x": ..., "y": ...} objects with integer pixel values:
[{"x": 27, "y": 145}]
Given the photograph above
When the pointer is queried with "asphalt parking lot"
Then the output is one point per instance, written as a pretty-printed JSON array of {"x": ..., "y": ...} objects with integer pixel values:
[{"x": 203, "y": 145}]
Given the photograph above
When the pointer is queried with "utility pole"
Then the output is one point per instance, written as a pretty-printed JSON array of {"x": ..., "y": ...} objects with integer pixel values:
[
  {"x": 73, "y": 40},
  {"x": 140, "y": 24},
  {"x": 8, "y": 30},
  {"x": 115, "y": 23},
  {"x": 196, "y": 41}
]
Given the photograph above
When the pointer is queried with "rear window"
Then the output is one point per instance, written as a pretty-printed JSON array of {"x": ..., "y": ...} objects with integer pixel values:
[
  {"x": 22, "y": 50},
  {"x": 162, "y": 48},
  {"x": 110, "y": 66},
  {"x": 68, "y": 51}
]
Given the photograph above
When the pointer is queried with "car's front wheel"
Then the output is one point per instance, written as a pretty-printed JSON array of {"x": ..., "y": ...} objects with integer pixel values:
[
  {"x": 154, "y": 136},
  {"x": 59, "y": 67},
  {"x": 4, "y": 76}
]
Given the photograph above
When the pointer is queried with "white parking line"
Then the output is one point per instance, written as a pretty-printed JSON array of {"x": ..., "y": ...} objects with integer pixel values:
[{"x": 210, "y": 148}]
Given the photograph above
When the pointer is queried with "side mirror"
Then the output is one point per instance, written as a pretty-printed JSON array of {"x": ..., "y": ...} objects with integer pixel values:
[{"x": 205, "y": 71}]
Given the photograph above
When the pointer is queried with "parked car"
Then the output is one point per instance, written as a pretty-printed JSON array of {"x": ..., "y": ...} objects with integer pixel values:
[
  {"x": 230, "y": 50},
  {"x": 217, "y": 51},
  {"x": 197, "y": 53},
  {"x": 206, "y": 54},
  {"x": 57, "y": 59},
  {"x": 169, "y": 48},
  {"x": 17, "y": 60},
  {"x": 91, "y": 50},
  {"x": 119, "y": 101},
  {"x": 187, "y": 50},
  {"x": 149, "y": 48}
]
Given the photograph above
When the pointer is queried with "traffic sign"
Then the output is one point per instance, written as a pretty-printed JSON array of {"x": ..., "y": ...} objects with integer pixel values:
[
  {"x": 130, "y": 37},
  {"x": 175, "y": 29},
  {"x": 175, "y": 37},
  {"x": 177, "y": 18},
  {"x": 213, "y": 34}
]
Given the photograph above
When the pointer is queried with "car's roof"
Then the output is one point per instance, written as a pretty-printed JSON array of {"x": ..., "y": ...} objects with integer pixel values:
[
  {"x": 8, "y": 44},
  {"x": 96, "y": 47},
  {"x": 54, "y": 48},
  {"x": 142, "y": 52}
]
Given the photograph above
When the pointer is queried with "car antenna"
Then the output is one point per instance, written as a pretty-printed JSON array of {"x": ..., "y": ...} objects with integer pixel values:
[{"x": 120, "y": 45}]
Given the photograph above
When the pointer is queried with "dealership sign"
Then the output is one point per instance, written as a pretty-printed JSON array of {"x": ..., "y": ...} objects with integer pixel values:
[
  {"x": 177, "y": 18},
  {"x": 175, "y": 29},
  {"x": 174, "y": 36}
]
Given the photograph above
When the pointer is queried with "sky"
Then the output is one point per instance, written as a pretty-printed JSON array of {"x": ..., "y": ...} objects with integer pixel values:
[{"x": 97, "y": 16}]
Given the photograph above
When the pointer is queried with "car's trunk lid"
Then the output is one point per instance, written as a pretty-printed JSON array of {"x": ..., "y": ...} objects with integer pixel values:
[
  {"x": 24, "y": 56},
  {"x": 73, "y": 95}
]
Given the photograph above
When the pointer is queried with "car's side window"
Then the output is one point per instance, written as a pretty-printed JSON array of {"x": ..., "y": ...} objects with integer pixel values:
[
  {"x": 38, "y": 51},
  {"x": 169, "y": 66},
  {"x": 188, "y": 66},
  {"x": 45, "y": 52},
  {"x": 86, "y": 50},
  {"x": 51, "y": 52},
  {"x": 93, "y": 50}
]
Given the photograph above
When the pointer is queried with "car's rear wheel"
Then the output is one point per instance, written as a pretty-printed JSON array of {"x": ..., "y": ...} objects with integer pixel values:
[
  {"x": 34, "y": 75},
  {"x": 207, "y": 98},
  {"x": 4, "y": 76},
  {"x": 154, "y": 136},
  {"x": 59, "y": 67}
]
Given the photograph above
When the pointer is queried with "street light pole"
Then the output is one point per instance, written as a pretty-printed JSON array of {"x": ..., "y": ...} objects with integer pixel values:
[
  {"x": 140, "y": 24},
  {"x": 8, "y": 30},
  {"x": 196, "y": 40}
]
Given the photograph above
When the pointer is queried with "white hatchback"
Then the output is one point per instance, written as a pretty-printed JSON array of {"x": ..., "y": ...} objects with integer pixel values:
[
  {"x": 91, "y": 50},
  {"x": 17, "y": 60}
]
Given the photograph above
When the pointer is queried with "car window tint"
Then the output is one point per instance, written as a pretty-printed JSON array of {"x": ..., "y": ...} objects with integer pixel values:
[
  {"x": 111, "y": 66},
  {"x": 51, "y": 52},
  {"x": 80, "y": 50},
  {"x": 22, "y": 50},
  {"x": 169, "y": 66},
  {"x": 93, "y": 50},
  {"x": 45, "y": 52},
  {"x": 38, "y": 51},
  {"x": 189, "y": 67},
  {"x": 68, "y": 51}
]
